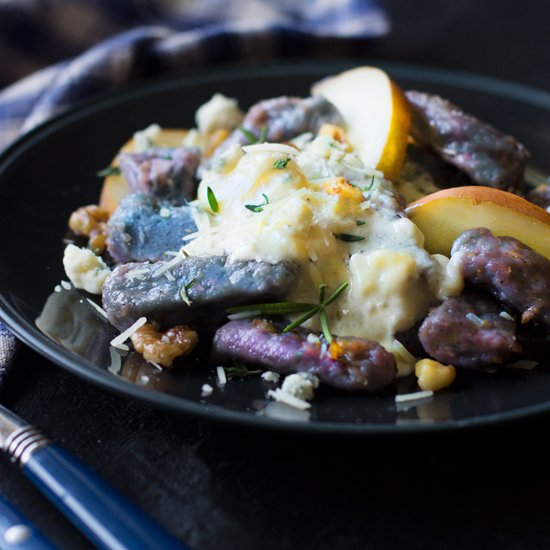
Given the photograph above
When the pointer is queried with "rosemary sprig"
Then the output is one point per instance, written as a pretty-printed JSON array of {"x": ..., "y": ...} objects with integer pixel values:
[
  {"x": 324, "y": 325},
  {"x": 321, "y": 309},
  {"x": 286, "y": 308},
  {"x": 258, "y": 207},
  {"x": 109, "y": 171},
  {"x": 277, "y": 308},
  {"x": 212, "y": 200},
  {"x": 346, "y": 237}
]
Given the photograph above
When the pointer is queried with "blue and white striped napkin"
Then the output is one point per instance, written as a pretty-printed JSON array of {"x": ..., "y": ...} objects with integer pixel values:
[{"x": 88, "y": 46}]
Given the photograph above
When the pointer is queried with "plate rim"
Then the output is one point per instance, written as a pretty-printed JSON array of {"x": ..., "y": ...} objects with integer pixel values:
[{"x": 50, "y": 350}]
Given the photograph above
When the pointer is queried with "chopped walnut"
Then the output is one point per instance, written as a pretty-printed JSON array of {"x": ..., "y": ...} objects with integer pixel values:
[
  {"x": 91, "y": 221},
  {"x": 164, "y": 347}
]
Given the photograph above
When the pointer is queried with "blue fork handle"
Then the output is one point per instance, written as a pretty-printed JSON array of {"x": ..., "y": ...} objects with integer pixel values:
[
  {"x": 17, "y": 532},
  {"x": 104, "y": 516}
]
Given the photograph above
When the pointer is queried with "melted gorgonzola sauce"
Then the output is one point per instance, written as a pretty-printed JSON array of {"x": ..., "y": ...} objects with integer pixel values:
[{"x": 320, "y": 206}]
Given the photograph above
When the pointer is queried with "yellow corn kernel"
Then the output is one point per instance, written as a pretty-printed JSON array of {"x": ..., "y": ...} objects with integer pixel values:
[
  {"x": 340, "y": 186},
  {"x": 334, "y": 132},
  {"x": 433, "y": 375}
]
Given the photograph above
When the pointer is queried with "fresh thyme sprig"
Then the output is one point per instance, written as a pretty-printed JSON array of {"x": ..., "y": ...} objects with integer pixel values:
[
  {"x": 212, "y": 200},
  {"x": 258, "y": 207},
  {"x": 238, "y": 370},
  {"x": 109, "y": 171}
]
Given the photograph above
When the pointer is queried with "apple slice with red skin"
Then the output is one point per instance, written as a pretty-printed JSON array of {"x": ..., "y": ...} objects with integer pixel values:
[{"x": 444, "y": 215}]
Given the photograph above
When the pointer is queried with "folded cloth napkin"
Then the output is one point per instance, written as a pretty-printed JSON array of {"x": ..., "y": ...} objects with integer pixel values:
[{"x": 130, "y": 40}]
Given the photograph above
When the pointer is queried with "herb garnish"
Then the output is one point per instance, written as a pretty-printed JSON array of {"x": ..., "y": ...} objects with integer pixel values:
[
  {"x": 320, "y": 309},
  {"x": 258, "y": 207},
  {"x": 346, "y": 237},
  {"x": 286, "y": 308},
  {"x": 371, "y": 184},
  {"x": 281, "y": 163},
  {"x": 263, "y": 134},
  {"x": 212, "y": 201},
  {"x": 238, "y": 370},
  {"x": 109, "y": 171},
  {"x": 277, "y": 308},
  {"x": 360, "y": 222},
  {"x": 251, "y": 137},
  {"x": 184, "y": 292}
]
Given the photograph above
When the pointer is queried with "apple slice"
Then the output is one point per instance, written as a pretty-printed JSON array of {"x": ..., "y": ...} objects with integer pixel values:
[
  {"x": 442, "y": 216},
  {"x": 115, "y": 187},
  {"x": 376, "y": 113}
]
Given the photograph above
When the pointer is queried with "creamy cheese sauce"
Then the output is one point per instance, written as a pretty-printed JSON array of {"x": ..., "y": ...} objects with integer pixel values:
[{"x": 340, "y": 220}]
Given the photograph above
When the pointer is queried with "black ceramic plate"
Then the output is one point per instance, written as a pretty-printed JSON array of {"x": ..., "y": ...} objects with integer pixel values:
[{"x": 51, "y": 171}]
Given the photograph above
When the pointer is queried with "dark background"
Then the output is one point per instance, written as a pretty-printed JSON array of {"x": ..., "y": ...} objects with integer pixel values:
[{"x": 219, "y": 487}]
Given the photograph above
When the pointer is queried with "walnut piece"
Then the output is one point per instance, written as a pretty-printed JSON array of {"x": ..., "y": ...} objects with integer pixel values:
[
  {"x": 164, "y": 347},
  {"x": 91, "y": 221}
]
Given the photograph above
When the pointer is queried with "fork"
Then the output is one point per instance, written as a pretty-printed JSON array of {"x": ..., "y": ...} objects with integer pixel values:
[{"x": 104, "y": 516}]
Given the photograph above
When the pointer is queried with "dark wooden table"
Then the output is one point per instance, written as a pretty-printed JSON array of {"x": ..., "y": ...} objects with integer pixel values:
[{"x": 224, "y": 488}]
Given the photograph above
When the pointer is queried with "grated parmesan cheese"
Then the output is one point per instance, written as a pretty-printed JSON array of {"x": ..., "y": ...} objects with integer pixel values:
[
  {"x": 506, "y": 315},
  {"x": 270, "y": 148},
  {"x": 415, "y": 396},
  {"x": 100, "y": 310},
  {"x": 122, "y": 337},
  {"x": 116, "y": 362},
  {"x": 222, "y": 378},
  {"x": 283, "y": 397},
  {"x": 168, "y": 266}
]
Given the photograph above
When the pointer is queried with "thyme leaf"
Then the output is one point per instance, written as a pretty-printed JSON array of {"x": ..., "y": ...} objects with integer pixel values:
[
  {"x": 371, "y": 185},
  {"x": 346, "y": 237},
  {"x": 258, "y": 207},
  {"x": 212, "y": 201},
  {"x": 281, "y": 163}
]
